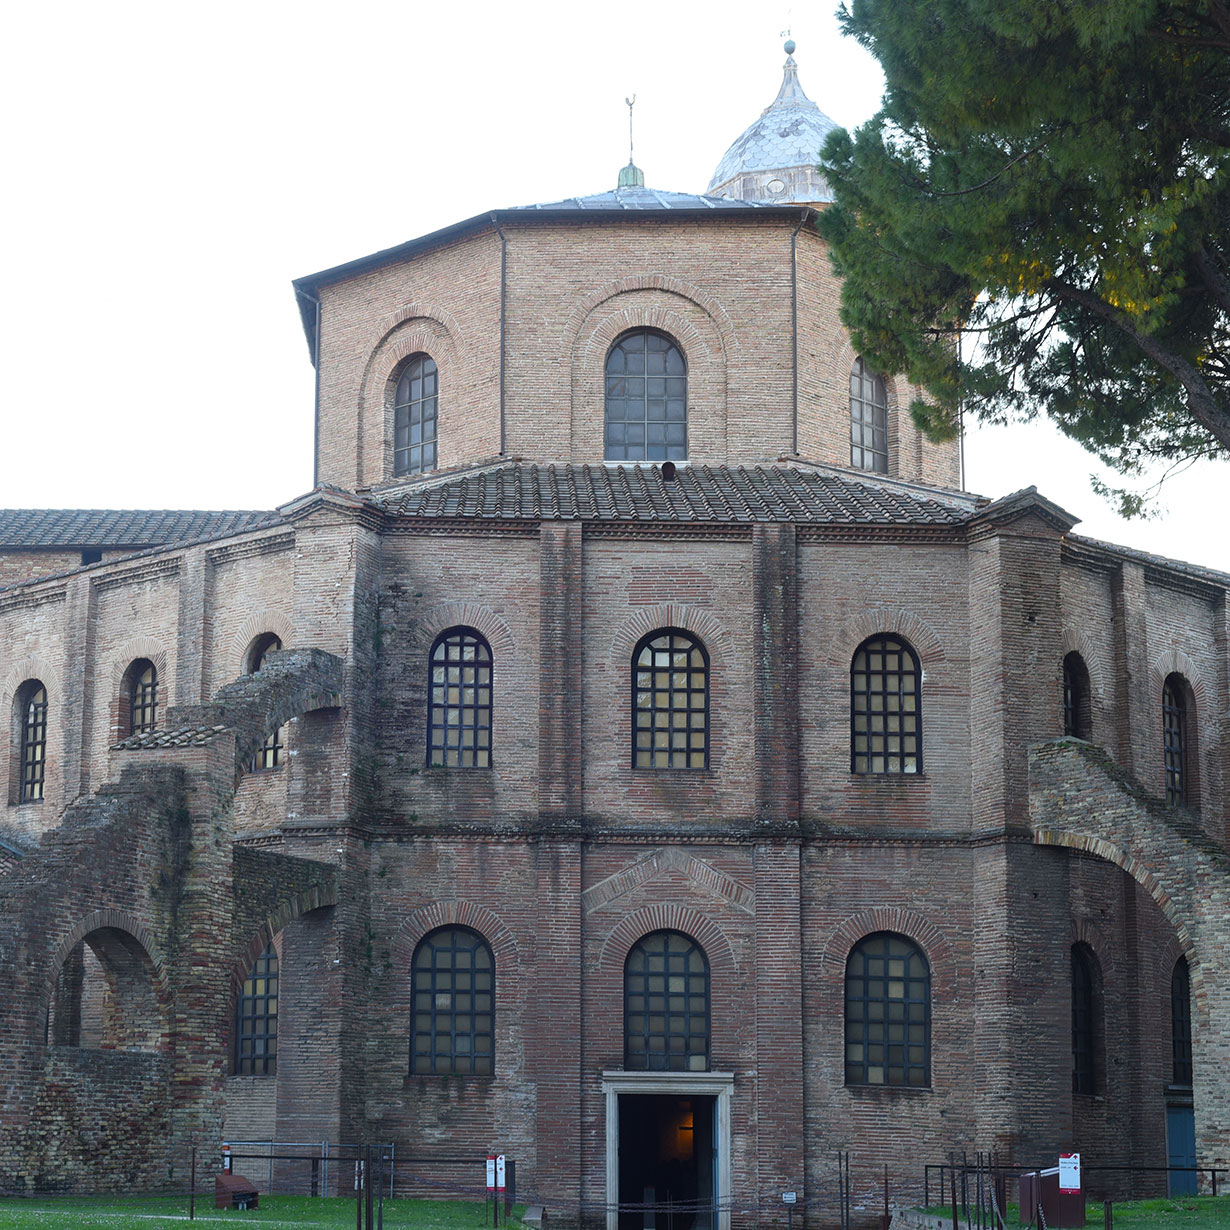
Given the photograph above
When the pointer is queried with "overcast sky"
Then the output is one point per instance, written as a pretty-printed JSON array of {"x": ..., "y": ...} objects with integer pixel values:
[{"x": 170, "y": 168}]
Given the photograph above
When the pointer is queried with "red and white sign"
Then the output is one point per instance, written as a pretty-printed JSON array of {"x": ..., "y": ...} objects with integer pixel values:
[
  {"x": 491, "y": 1172},
  {"x": 499, "y": 1172},
  {"x": 1070, "y": 1174}
]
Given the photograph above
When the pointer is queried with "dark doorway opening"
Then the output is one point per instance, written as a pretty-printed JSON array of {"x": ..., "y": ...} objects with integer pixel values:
[{"x": 667, "y": 1162}]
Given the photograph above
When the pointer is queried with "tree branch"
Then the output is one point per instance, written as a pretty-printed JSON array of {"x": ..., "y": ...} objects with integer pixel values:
[{"x": 1213, "y": 277}]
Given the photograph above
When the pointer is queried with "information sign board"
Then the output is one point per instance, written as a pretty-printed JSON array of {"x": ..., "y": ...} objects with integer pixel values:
[{"x": 1070, "y": 1174}]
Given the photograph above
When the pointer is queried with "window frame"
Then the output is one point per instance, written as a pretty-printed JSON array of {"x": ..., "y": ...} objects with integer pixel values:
[
  {"x": 651, "y": 453},
  {"x": 1086, "y": 994},
  {"x": 1179, "y": 764},
  {"x": 1077, "y": 700},
  {"x": 271, "y": 754},
  {"x": 404, "y": 408},
  {"x": 881, "y": 642},
  {"x": 1181, "y": 1025},
  {"x": 639, "y": 991},
  {"x": 868, "y": 416},
  {"x": 874, "y": 1026},
  {"x": 141, "y": 697},
  {"x": 463, "y": 635},
  {"x": 255, "y": 1022},
  {"x": 450, "y": 1055},
  {"x": 638, "y": 710},
  {"x": 32, "y": 710}
]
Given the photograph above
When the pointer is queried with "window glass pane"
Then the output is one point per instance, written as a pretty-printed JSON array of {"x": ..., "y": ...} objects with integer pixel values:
[
  {"x": 674, "y": 1034},
  {"x": 671, "y": 696},
  {"x": 876, "y": 1008},
  {"x": 646, "y": 399},
  {"x": 453, "y": 995}
]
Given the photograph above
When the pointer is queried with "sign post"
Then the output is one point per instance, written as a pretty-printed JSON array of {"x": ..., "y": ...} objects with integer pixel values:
[
  {"x": 501, "y": 1176},
  {"x": 1070, "y": 1174},
  {"x": 491, "y": 1187}
]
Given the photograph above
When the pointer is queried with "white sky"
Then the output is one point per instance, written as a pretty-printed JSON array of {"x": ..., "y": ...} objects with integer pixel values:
[{"x": 170, "y": 168}]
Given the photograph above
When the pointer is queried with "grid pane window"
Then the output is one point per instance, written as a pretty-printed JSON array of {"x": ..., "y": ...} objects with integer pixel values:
[
  {"x": 1174, "y": 740},
  {"x": 666, "y": 1005},
  {"x": 272, "y": 752},
  {"x": 459, "y": 717},
  {"x": 415, "y": 407},
  {"x": 32, "y": 716},
  {"x": 1083, "y": 983},
  {"x": 888, "y": 1013},
  {"x": 670, "y": 702},
  {"x": 1181, "y": 1023},
  {"x": 1075, "y": 696},
  {"x": 453, "y": 988},
  {"x": 868, "y": 420},
  {"x": 256, "y": 1053},
  {"x": 142, "y": 697},
  {"x": 885, "y": 708},
  {"x": 646, "y": 399}
]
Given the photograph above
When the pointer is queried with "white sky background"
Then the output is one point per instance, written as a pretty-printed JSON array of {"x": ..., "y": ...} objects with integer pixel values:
[{"x": 170, "y": 168}]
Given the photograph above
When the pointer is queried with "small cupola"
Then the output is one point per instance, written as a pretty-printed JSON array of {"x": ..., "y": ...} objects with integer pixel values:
[{"x": 774, "y": 159}]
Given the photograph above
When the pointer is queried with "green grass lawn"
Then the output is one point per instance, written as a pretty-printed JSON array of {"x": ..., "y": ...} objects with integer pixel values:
[
  {"x": 1179, "y": 1212},
  {"x": 156, "y": 1212}
]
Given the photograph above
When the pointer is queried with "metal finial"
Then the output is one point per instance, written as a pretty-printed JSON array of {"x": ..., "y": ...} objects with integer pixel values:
[
  {"x": 789, "y": 45},
  {"x": 631, "y": 103}
]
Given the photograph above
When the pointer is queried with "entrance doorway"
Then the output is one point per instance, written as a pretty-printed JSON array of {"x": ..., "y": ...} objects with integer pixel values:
[
  {"x": 666, "y": 1162},
  {"x": 668, "y": 1150}
]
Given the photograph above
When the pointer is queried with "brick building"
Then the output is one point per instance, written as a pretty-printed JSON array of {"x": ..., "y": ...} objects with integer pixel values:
[{"x": 636, "y": 754}]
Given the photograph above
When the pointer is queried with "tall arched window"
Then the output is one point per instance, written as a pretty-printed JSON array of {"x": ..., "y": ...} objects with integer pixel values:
[
  {"x": 1181, "y": 1024},
  {"x": 646, "y": 399},
  {"x": 666, "y": 1005},
  {"x": 453, "y": 986},
  {"x": 1085, "y": 1030},
  {"x": 885, "y": 708},
  {"x": 256, "y": 1025},
  {"x": 888, "y": 1012},
  {"x": 270, "y": 754},
  {"x": 31, "y": 721},
  {"x": 1076, "y": 708},
  {"x": 1177, "y": 742},
  {"x": 868, "y": 419},
  {"x": 415, "y": 411},
  {"x": 459, "y": 701},
  {"x": 670, "y": 701},
  {"x": 141, "y": 696}
]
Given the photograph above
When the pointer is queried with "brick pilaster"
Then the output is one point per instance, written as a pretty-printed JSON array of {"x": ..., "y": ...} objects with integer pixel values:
[
  {"x": 559, "y": 697},
  {"x": 1131, "y": 658},
  {"x": 78, "y": 698}
]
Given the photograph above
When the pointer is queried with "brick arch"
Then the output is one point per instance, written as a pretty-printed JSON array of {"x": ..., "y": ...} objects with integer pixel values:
[
  {"x": 49, "y": 677},
  {"x": 132, "y": 651},
  {"x": 113, "y": 920},
  {"x": 454, "y": 913},
  {"x": 702, "y": 624},
  {"x": 481, "y": 618},
  {"x": 415, "y": 328},
  {"x": 712, "y": 306},
  {"x": 900, "y": 920},
  {"x": 256, "y": 626},
  {"x": 665, "y": 916},
  {"x": 29, "y": 668},
  {"x": 1089, "y": 844},
  {"x": 839, "y": 357},
  {"x": 695, "y": 331},
  {"x": 316, "y": 897},
  {"x": 895, "y": 621},
  {"x": 1176, "y": 662},
  {"x": 1086, "y": 931}
]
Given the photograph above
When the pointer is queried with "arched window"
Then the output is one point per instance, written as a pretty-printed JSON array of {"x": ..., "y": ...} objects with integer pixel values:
[
  {"x": 271, "y": 753},
  {"x": 888, "y": 1012},
  {"x": 666, "y": 1005},
  {"x": 1181, "y": 1024},
  {"x": 415, "y": 409},
  {"x": 670, "y": 702},
  {"x": 646, "y": 399},
  {"x": 459, "y": 701},
  {"x": 1177, "y": 743},
  {"x": 454, "y": 1003},
  {"x": 141, "y": 696},
  {"x": 256, "y": 1027},
  {"x": 868, "y": 420},
  {"x": 885, "y": 708},
  {"x": 1085, "y": 1027},
  {"x": 31, "y": 723},
  {"x": 1076, "y": 715}
]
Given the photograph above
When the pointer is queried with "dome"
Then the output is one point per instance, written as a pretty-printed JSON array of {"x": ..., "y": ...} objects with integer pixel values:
[{"x": 775, "y": 158}]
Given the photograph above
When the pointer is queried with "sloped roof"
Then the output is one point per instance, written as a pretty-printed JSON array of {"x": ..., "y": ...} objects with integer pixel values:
[
  {"x": 697, "y": 493},
  {"x": 641, "y": 199},
  {"x": 74, "y": 528}
]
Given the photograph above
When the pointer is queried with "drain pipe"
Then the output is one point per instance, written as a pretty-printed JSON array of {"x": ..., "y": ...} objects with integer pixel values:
[
  {"x": 794, "y": 325},
  {"x": 315, "y": 301},
  {"x": 495, "y": 221}
]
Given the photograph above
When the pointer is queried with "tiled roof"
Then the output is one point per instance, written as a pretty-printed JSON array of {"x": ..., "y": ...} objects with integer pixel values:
[
  {"x": 26, "y": 528},
  {"x": 712, "y": 494},
  {"x": 641, "y": 199},
  {"x": 184, "y": 736}
]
